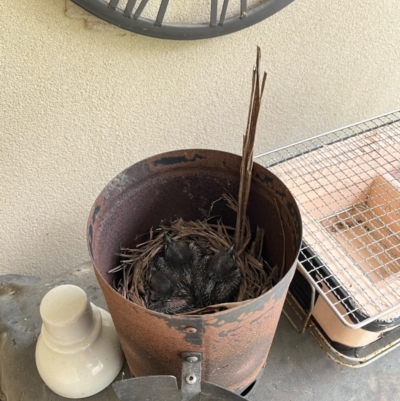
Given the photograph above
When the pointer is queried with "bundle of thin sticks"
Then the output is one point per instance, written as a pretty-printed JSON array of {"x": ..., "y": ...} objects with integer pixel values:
[
  {"x": 246, "y": 167},
  {"x": 211, "y": 234}
]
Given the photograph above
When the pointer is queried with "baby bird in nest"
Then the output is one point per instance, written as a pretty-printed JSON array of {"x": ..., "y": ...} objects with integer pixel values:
[
  {"x": 223, "y": 277},
  {"x": 170, "y": 289},
  {"x": 185, "y": 278},
  {"x": 168, "y": 292},
  {"x": 180, "y": 256}
]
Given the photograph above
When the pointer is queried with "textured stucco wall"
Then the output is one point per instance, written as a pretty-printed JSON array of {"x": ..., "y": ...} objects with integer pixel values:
[{"x": 78, "y": 106}]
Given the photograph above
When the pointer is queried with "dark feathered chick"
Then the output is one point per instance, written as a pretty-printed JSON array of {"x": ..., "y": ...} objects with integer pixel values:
[
  {"x": 185, "y": 278},
  {"x": 170, "y": 289},
  {"x": 201, "y": 282},
  {"x": 160, "y": 286},
  {"x": 223, "y": 277},
  {"x": 169, "y": 292},
  {"x": 179, "y": 255}
]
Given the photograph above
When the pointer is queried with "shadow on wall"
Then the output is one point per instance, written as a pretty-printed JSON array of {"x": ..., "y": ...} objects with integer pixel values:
[{"x": 92, "y": 22}]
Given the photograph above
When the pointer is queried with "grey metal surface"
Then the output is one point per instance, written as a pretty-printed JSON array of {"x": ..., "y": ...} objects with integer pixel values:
[
  {"x": 129, "y": 16},
  {"x": 20, "y": 324},
  {"x": 165, "y": 388},
  {"x": 297, "y": 369},
  {"x": 191, "y": 376},
  {"x": 150, "y": 388}
]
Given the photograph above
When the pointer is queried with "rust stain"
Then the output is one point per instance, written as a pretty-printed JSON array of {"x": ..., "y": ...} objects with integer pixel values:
[{"x": 234, "y": 343}]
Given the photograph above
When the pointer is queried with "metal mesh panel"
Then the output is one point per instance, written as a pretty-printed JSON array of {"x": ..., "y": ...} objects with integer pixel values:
[{"x": 347, "y": 185}]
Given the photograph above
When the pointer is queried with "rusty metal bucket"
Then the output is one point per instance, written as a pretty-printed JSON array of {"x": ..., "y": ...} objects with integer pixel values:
[{"x": 234, "y": 343}]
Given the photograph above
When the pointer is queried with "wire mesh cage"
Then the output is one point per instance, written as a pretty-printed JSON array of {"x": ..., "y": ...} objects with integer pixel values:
[{"x": 347, "y": 184}]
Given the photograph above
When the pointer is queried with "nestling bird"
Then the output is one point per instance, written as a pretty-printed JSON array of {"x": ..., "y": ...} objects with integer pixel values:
[
  {"x": 223, "y": 277},
  {"x": 185, "y": 278},
  {"x": 168, "y": 291},
  {"x": 216, "y": 279},
  {"x": 179, "y": 255},
  {"x": 201, "y": 282}
]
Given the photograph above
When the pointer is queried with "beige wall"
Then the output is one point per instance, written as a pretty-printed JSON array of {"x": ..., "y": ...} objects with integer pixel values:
[{"x": 78, "y": 106}]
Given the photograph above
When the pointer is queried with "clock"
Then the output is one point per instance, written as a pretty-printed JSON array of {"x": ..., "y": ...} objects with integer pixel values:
[{"x": 183, "y": 19}]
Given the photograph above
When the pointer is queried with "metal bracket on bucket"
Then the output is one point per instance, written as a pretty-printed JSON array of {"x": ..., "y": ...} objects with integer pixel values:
[
  {"x": 165, "y": 388},
  {"x": 191, "y": 376}
]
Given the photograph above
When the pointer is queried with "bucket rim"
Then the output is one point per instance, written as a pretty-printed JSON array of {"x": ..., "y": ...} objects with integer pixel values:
[{"x": 176, "y": 157}]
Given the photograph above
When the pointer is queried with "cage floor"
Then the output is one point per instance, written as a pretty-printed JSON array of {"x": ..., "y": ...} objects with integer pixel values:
[
  {"x": 347, "y": 185},
  {"x": 367, "y": 240}
]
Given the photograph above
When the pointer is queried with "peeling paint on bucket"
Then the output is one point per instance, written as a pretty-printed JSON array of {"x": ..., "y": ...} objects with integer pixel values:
[{"x": 234, "y": 343}]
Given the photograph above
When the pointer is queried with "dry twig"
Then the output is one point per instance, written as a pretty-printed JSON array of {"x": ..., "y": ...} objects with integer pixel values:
[{"x": 246, "y": 167}]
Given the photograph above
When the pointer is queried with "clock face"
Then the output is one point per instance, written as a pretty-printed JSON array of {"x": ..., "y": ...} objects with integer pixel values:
[{"x": 183, "y": 19}]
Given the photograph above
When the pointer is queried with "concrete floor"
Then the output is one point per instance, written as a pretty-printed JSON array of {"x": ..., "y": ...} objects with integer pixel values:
[{"x": 297, "y": 368}]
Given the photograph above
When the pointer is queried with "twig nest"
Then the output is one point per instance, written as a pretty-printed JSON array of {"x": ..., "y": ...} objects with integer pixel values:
[{"x": 194, "y": 267}]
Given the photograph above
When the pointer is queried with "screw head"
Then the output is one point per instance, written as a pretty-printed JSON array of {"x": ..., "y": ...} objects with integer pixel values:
[
  {"x": 190, "y": 330},
  {"x": 191, "y": 379},
  {"x": 192, "y": 359}
]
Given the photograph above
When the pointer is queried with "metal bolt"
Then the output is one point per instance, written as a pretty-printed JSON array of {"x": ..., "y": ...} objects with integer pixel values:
[
  {"x": 192, "y": 359},
  {"x": 190, "y": 330},
  {"x": 191, "y": 379}
]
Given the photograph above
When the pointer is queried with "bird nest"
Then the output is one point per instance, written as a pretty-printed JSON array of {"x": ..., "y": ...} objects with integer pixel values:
[{"x": 194, "y": 267}]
